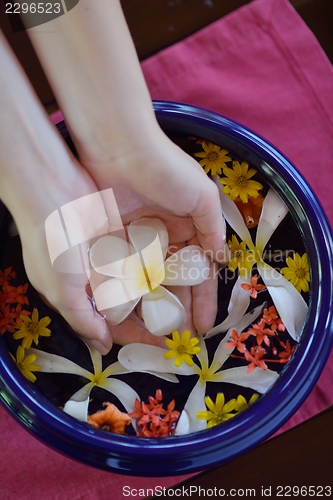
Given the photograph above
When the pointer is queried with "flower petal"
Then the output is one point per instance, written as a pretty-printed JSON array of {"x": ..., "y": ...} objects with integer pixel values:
[
  {"x": 162, "y": 311},
  {"x": 234, "y": 217},
  {"x": 259, "y": 380},
  {"x": 289, "y": 303},
  {"x": 148, "y": 358},
  {"x": 142, "y": 233},
  {"x": 52, "y": 363},
  {"x": 107, "y": 255},
  {"x": 77, "y": 409},
  {"x": 188, "y": 267},
  {"x": 273, "y": 212},
  {"x": 122, "y": 391},
  {"x": 194, "y": 404},
  {"x": 183, "y": 425},
  {"x": 239, "y": 302},
  {"x": 119, "y": 294}
]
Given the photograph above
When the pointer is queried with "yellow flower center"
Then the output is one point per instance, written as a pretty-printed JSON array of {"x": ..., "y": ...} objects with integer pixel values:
[
  {"x": 241, "y": 180},
  {"x": 213, "y": 156},
  {"x": 32, "y": 328},
  {"x": 300, "y": 273}
]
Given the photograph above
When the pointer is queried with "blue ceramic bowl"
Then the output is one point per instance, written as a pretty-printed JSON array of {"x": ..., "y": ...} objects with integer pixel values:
[{"x": 186, "y": 454}]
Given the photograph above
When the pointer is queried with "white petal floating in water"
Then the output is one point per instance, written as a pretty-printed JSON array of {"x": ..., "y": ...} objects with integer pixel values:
[
  {"x": 234, "y": 217},
  {"x": 162, "y": 312},
  {"x": 122, "y": 391},
  {"x": 149, "y": 358},
  {"x": 77, "y": 409},
  {"x": 52, "y": 363},
  {"x": 183, "y": 425},
  {"x": 289, "y": 303},
  {"x": 239, "y": 302},
  {"x": 273, "y": 212},
  {"x": 259, "y": 380},
  {"x": 189, "y": 266},
  {"x": 194, "y": 404}
]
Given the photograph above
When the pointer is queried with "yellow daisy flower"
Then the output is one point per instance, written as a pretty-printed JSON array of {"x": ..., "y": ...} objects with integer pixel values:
[
  {"x": 182, "y": 348},
  {"x": 217, "y": 412},
  {"x": 239, "y": 256},
  {"x": 26, "y": 364},
  {"x": 213, "y": 158},
  {"x": 238, "y": 182},
  {"x": 32, "y": 329},
  {"x": 242, "y": 404},
  {"x": 298, "y": 272}
]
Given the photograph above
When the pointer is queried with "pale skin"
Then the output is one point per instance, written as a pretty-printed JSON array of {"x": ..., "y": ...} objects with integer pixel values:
[{"x": 91, "y": 63}]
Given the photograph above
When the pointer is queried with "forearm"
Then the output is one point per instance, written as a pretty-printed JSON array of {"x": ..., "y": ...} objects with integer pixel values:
[{"x": 90, "y": 60}]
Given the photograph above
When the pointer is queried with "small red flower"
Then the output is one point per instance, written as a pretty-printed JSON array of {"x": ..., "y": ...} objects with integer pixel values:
[
  {"x": 272, "y": 319},
  {"x": 237, "y": 340},
  {"x": 7, "y": 275},
  {"x": 287, "y": 353},
  {"x": 154, "y": 420},
  {"x": 254, "y": 287},
  {"x": 261, "y": 333},
  {"x": 254, "y": 357}
]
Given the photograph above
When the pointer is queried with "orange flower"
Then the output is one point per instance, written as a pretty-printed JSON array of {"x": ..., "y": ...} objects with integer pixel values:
[
  {"x": 14, "y": 294},
  {"x": 261, "y": 333},
  {"x": 272, "y": 319},
  {"x": 287, "y": 353},
  {"x": 237, "y": 340},
  {"x": 253, "y": 286},
  {"x": 7, "y": 319},
  {"x": 254, "y": 357},
  {"x": 6, "y": 275},
  {"x": 154, "y": 420},
  {"x": 111, "y": 419},
  {"x": 251, "y": 210}
]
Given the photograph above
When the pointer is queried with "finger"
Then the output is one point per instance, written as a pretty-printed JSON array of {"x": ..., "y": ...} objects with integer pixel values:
[
  {"x": 204, "y": 297},
  {"x": 132, "y": 330},
  {"x": 79, "y": 312},
  {"x": 184, "y": 293}
]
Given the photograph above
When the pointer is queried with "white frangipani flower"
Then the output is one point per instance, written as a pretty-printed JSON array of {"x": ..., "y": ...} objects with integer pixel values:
[
  {"x": 140, "y": 357},
  {"x": 123, "y": 273},
  {"x": 289, "y": 303},
  {"x": 77, "y": 405}
]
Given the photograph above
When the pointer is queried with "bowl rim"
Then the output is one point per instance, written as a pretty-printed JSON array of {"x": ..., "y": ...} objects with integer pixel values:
[{"x": 195, "y": 452}]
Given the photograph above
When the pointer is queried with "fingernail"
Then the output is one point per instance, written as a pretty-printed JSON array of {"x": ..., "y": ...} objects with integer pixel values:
[{"x": 97, "y": 344}]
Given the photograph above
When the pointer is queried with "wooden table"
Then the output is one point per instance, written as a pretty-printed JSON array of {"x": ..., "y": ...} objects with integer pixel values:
[{"x": 302, "y": 456}]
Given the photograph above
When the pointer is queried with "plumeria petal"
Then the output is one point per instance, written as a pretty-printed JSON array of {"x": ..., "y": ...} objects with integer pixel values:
[
  {"x": 52, "y": 363},
  {"x": 289, "y": 303},
  {"x": 115, "y": 315},
  {"x": 234, "y": 217},
  {"x": 122, "y": 391},
  {"x": 108, "y": 254},
  {"x": 148, "y": 358},
  {"x": 194, "y": 404},
  {"x": 202, "y": 356},
  {"x": 142, "y": 233},
  {"x": 239, "y": 302},
  {"x": 259, "y": 380},
  {"x": 120, "y": 292},
  {"x": 115, "y": 368},
  {"x": 273, "y": 212},
  {"x": 183, "y": 425},
  {"x": 77, "y": 409},
  {"x": 189, "y": 266},
  {"x": 162, "y": 312},
  {"x": 222, "y": 353}
]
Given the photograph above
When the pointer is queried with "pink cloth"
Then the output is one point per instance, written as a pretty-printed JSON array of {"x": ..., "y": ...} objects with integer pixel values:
[{"x": 263, "y": 67}]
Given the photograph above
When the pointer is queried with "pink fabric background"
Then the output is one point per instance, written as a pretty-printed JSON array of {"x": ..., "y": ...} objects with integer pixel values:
[{"x": 262, "y": 67}]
